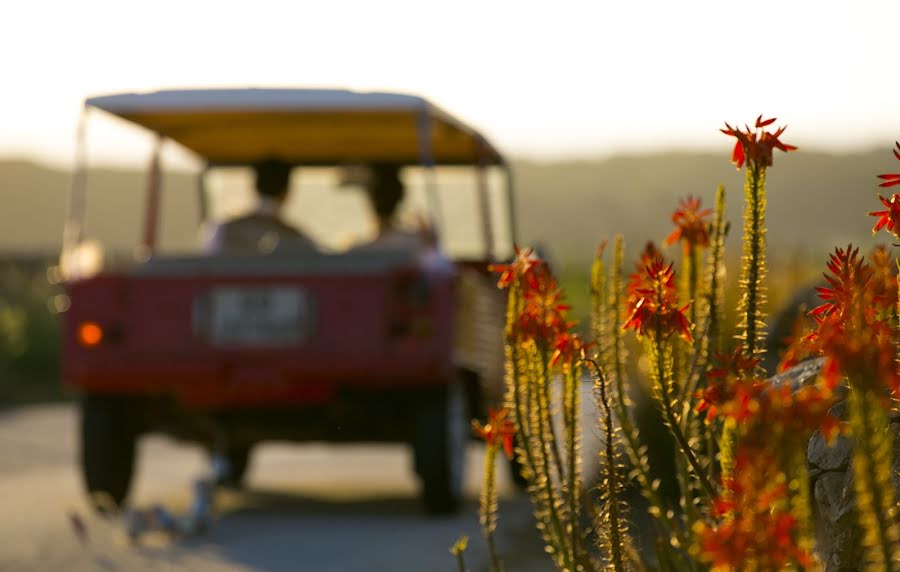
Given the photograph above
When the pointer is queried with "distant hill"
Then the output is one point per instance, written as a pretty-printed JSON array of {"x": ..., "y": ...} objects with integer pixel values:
[
  {"x": 33, "y": 203},
  {"x": 816, "y": 200}
]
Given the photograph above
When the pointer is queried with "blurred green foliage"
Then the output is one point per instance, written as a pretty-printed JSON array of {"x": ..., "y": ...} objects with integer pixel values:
[{"x": 29, "y": 332}]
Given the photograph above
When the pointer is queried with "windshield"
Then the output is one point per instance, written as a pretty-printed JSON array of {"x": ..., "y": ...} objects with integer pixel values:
[{"x": 337, "y": 215}]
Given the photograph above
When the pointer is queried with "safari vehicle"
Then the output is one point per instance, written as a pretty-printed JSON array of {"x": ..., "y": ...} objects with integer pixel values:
[{"x": 333, "y": 345}]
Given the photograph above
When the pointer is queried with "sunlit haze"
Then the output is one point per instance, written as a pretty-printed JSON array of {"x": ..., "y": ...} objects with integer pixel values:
[{"x": 543, "y": 80}]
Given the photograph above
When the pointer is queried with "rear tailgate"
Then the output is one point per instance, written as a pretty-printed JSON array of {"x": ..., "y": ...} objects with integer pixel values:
[{"x": 226, "y": 334}]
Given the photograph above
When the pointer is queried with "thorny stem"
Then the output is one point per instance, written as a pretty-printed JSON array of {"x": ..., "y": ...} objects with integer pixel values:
[
  {"x": 872, "y": 479},
  {"x": 489, "y": 504},
  {"x": 546, "y": 517},
  {"x": 612, "y": 477},
  {"x": 545, "y": 387},
  {"x": 618, "y": 349},
  {"x": 754, "y": 264},
  {"x": 457, "y": 550},
  {"x": 800, "y": 501},
  {"x": 663, "y": 379},
  {"x": 544, "y": 416},
  {"x": 546, "y": 514},
  {"x": 460, "y": 562},
  {"x": 572, "y": 446},
  {"x": 709, "y": 338}
]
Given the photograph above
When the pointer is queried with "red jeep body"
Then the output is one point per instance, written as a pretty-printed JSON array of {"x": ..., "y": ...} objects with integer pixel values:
[{"x": 232, "y": 350}]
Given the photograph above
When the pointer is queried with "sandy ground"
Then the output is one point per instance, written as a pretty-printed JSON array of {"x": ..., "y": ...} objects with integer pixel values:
[{"x": 307, "y": 507}]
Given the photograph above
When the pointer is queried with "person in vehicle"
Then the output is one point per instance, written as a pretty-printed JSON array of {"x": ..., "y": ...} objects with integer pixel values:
[
  {"x": 385, "y": 192},
  {"x": 262, "y": 230}
]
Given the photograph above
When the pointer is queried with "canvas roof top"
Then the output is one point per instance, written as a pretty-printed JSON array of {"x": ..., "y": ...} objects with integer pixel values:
[{"x": 302, "y": 126}]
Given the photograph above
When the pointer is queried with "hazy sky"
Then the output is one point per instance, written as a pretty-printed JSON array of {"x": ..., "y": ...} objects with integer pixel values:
[{"x": 544, "y": 79}]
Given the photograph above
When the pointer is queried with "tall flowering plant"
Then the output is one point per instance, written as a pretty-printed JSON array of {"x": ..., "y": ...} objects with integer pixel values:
[
  {"x": 741, "y": 438},
  {"x": 754, "y": 148},
  {"x": 542, "y": 347}
]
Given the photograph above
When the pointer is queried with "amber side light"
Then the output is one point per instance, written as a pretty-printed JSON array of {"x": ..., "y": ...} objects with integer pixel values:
[{"x": 90, "y": 334}]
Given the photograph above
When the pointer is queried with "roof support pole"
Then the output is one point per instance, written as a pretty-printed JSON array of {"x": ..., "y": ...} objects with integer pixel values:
[
  {"x": 484, "y": 200},
  {"x": 202, "y": 198},
  {"x": 511, "y": 202},
  {"x": 151, "y": 211},
  {"x": 73, "y": 230},
  {"x": 425, "y": 142}
]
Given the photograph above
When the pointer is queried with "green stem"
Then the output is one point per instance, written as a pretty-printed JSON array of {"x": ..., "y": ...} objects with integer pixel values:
[
  {"x": 572, "y": 483},
  {"x": 872, "y": 479},
  {"x": 663, "y": 379},
  {"x": 544, "y": 380},
  {"x": 754, "y": 267},
  {"x": 517, "y": 382},
  {"x": 489, "y": 504},
  {"x": 547, "y": 447},
  {"x": 612, "y": 481}
]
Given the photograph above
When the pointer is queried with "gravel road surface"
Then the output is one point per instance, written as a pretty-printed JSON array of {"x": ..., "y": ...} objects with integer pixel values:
[{"x": 307, "y": 508}]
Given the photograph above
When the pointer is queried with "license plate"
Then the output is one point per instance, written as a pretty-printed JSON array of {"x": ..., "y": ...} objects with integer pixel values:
[{"x": 259, "y": 316}]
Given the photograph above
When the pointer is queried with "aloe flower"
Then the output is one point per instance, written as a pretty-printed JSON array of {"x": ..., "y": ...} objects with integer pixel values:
[
  {"x": 891, "y": 179},
  {"x": 691, "y": 224},
  {"x": 754, "y": 147}
]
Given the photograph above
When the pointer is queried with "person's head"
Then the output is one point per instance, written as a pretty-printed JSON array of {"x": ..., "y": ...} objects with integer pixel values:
[
  {"x": 272, "y": 178},
  {"x": 385, "y": 190}
]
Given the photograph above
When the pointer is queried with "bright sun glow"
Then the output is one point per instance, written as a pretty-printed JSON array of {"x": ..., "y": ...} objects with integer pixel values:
[{"x": 545, "y": 80}]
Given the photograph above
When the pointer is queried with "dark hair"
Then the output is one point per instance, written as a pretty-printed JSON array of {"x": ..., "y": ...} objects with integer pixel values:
[
  {"x": 385, "y": 189},
  {"x": 272, "y": 177}
]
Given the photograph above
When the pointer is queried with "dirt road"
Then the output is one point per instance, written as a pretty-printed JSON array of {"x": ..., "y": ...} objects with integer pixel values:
[{"x": 307, "y": 508}]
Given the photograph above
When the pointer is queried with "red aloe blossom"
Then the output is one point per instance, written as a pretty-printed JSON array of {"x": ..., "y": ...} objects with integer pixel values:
[
  {"x": 637, "y": 279},
  {"x": 755, "y": 146},
  {"x": 731, "y": 398},
  {"x": 498, "y": 431},
  {"x": 853, "y": 285},
  {"x": 544, "y": 315},
  {"x": 797, "y": 346},
  {"x": 854, "y": 330},
  {"x": 567, "y": 347},
  {"x": 521, "y": 266},
  {"x": 691, "y": 224},
  {"x": 787, "y": 417},
  {"x": 891, "y": 179},
  {"x": 731, "y": 391},
  {"x": 761, "y": 530},
  {"x": 884, "y": 276},
  {"x": 849, "y": 277},
  {"x": 888, "y": 219},
  {"x": 653, "y": 303}
]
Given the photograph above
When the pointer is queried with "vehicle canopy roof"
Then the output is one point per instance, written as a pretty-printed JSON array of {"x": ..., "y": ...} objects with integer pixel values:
[{"x": 304, "y": 126}]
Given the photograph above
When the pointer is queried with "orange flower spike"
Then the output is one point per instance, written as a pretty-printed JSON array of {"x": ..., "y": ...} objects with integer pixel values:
[
  {"x": 891, "y": 179},
  {"x": 884, "y": 277},
  {"x": 732, "y": 391},
  {"x": 498, "y": 430},
  {"x": 652, "y": 303},
  {"x": 761, "y": 528},
  {"x": 568, "y": 346},
  {"x": 522, "y": 264},
  {"x": 756, "y": 146},
  {"x": 691, "y": 224},
  {"x": 888, "y": 219},
  {"x": 849, "y": 276}
]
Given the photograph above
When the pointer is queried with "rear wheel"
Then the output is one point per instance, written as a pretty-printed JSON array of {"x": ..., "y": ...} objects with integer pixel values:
[
  {"x": 108, "y": 438},
  {"x": 439, "y": 448},
  {"x": 238, "y": 464}
]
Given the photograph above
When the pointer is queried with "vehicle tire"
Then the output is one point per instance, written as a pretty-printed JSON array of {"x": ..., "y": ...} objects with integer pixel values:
[
  {"x": 439, "y": 448},
  {"x": 238, "y": 463},
  {"x": 108, "y": 440}
]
